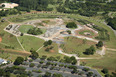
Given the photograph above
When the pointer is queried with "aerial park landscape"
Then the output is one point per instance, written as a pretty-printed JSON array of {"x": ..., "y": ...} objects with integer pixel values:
[{"x": 56, "y": 44}]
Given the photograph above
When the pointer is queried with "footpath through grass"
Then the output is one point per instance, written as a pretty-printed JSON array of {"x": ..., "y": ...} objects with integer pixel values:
[
  {"x": 8, "y": 39},
  {"x": 75, "y": 45},
  {"x": 108, "y": 61}
]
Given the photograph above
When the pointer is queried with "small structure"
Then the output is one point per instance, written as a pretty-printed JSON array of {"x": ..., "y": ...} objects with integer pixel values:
[
  {"x": 13, "y": 29},
  {"x": 8, "y": 5},
  {"x": 2, "y": 61}
]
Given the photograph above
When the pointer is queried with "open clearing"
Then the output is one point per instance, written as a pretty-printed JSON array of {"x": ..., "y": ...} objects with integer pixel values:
[
  {"x": 29, "y": 42},
  {"x": 76, "y": 45},
  {"x": 108, "y": 61},
  {"x": 25, "y": 28}
]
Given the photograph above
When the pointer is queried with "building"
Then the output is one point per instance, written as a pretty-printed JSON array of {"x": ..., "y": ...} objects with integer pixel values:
[
  {"x": 2, "y": 61},
  {"x": 9, "y": 5}
]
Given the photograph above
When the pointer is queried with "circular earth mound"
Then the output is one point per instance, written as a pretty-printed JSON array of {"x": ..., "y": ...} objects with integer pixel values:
[{"x": 87, "y": 33}]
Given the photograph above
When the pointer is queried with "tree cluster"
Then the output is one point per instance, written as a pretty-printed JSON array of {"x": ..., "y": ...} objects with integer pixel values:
[
  {"x": 71, "y": 25},
  {"x": 90, "y": 51},
  {"x": 46, "y": 43},
  {"x": 18, "y": 61},
  {"x": 112, "y": 22},
  {"x": 9, "y": 12},
  {"x": 34, "y": 54},
  {"x": 99, "y": 44},
  {"x": 71, "y": 60},
  {"x": 35, "y": 31},
  {"x": 17, "y": 70}
]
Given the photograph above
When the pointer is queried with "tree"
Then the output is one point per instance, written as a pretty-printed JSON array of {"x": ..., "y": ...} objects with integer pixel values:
[
  {"x": 43, "y": 57},
  {"x": 73, "y": 59},
  {"x": 47, "y": 74},
  {"x": 18, "y": 61},
  {"x": 21, "y": 34},
  {"x": 49, "y": 42},
  {"x": 68, "y": 31},
  {"x": 90, "y": 51},
  {"x": 107, "y": 75},
  {"x": 3, "y": 5},
  {"x": 90, "y": 74},
  {"x": 74, "y": 71},
  {"x": 100, "y": 44},
  {"x": 34, "y": 54},
  {"x": 71, "y": 25},
  {"x": 32, "y": 65},
  {"x": 57, "y": 75},
  {"x": 105, "y": 70},
  {"x": 86, "y": 69}
]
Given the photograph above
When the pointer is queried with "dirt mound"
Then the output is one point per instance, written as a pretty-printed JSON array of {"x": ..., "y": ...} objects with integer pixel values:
[
  {"x": 52, "y": 51},
  {"x": 0, "y": 39}
]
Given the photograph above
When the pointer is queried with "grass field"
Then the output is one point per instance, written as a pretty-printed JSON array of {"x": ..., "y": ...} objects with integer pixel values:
[
  {"x": 11, "y": 55},
  {"x": 112, "y": 42},
  {"x": 8, "y": 39},
  {"x": 49, "y": 53},
  {"x": 76, "y": 45},
  {"x": 108, "y": 61},
  {"x": 29, "y": 42},
  {"x": 25, "y": 28}
]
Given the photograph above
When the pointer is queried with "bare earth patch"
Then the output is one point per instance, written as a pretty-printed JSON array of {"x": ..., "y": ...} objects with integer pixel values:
[
  {"x": 52, "y": 51},
  {"x": 0, "y": 39},
  {"x": 90, "y": 36}
]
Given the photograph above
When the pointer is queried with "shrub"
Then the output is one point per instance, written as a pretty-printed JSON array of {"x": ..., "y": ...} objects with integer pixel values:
[
  {"x": 71, "y": 25},
  {"x": 86, "y": 69},
  {"x": 32, "y": 65},
  {"x": 104, "y": 70}
]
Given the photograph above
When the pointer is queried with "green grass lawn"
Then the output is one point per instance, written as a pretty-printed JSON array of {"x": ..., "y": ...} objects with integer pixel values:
[
  {"x": 7, "y": 38},
  {"x": 29, "y": 42},
  {"x": 11, "y": 56},
  {"x": 49, "y": 53},
  {"x": 76, "y": 45},
  {"x": 25, "y": 28},
  {"x": 108, "y": 61}
]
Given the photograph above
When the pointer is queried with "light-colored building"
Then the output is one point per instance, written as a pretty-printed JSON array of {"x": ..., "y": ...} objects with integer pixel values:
[{"x": 9, "y": 5}]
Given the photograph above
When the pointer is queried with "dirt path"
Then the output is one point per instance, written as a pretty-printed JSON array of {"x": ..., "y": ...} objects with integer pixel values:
[
  {"x": 111, "y": 49},
  {"x": 101, "y": 52},
  {"x": 16, "y": 51},
  {"x": 78, "y": 58}
]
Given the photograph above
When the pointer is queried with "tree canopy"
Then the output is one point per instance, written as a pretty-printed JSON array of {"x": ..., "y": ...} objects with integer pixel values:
[
  {"x": 18, "y": 61},
  {"x": 71, "y": 25}
]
